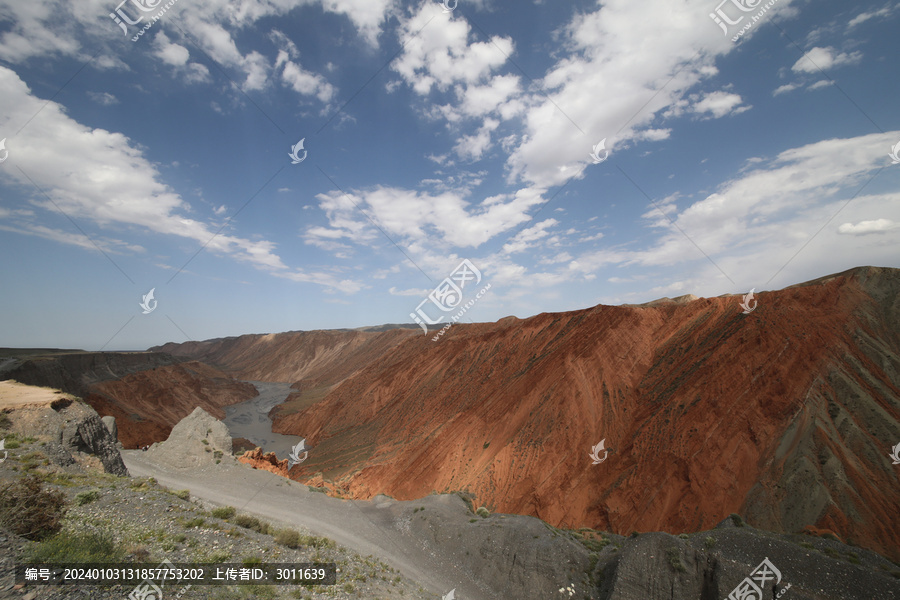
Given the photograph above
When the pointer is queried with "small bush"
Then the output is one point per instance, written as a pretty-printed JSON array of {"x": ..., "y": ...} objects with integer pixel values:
[
  {"x": 67, "y": 547},
  {"x": 252, "y": 561},
  {"x": 219, "y": 556},
  {"x": 709, "y": 541},
  {"x": 675, "y": 560},
  {"x": 5, "y": 423},
  {"x": 248, "y": 522},
  {"x": 11, "y": 444},
  {"x": 27, "y": 509},
  {"x": 183, "y": 494},
  {"x": 288, "y": 538},
  {"x": 86, "y": 497},
  {"x": 737, "y": 520},
  {"x": 179, "y": 538},
  {"x": 195, "y": 522},
  {"x": 483, "y": 512},
  {"x": 223, "y": 512},
  {"x": 316, "y": 541},
  {"x": 205, "y": 442}
]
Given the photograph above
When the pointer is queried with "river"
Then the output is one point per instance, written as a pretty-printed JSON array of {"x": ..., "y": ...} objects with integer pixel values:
[{"x": 251, "y": 420}]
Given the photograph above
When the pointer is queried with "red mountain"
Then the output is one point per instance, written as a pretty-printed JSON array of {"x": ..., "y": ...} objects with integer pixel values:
[{"x": 785, "y": 415}]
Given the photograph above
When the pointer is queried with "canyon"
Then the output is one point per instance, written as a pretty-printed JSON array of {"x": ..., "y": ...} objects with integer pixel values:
[{"x": 785, "y": 415}]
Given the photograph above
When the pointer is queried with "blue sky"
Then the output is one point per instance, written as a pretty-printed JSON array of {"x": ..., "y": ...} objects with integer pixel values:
[{"x": 432, "y": 136}]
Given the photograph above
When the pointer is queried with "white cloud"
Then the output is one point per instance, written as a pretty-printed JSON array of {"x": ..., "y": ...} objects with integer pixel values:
[
  {"x": 821, "y": 59},
  {"x": 104, "y": 98},
  {"x": 99, "y": 177},
  {"x": 865, "y": 16},
  {"x": 418, "y": 220},
  {"x": 304, "y": 82},
  {"x": 719, "y": 104},
  {"x": 822, "y": 83},
  {"x": 867, "y": 227},
  {"x": 522, "y": 241},
  {"x": 472, "y": 147},
  {"x": 788, "y": 87}
]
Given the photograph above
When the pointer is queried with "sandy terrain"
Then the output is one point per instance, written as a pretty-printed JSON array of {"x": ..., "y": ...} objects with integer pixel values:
[
  {"x": 367, "y": 527},
  {"x": 13, "y": 393}
]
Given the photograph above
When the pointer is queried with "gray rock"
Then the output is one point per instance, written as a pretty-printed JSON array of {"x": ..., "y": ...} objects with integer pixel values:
[
  {"x": 84, "y": 432},
  {"x": 198, "y": 440}
]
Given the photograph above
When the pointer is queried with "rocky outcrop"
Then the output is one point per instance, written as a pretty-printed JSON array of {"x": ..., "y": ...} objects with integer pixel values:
[
  {"x": 265, "y": 462},
  {"x": 84, "y": 432},
  {"x": 70, "y": 431},
  {"x": 512, "y": 556},
  {"x": 785, "y": 415},
  {"x": 198, "y": 440}
]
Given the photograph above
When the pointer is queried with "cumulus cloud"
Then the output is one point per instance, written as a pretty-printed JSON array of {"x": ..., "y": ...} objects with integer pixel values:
[
  {"x": 99, "y": 177},
  {"x": 523, "y": 240},
  {"x": 419, "y": 221},
  {"x": 719, "y": 104},
  {"x": 821, "y": 59}
]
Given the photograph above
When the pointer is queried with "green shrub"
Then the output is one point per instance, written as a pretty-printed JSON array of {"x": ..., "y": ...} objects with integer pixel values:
[
  {"x": 5, "y": 423},
  {"x": 248, "y": 522},
  {"x": 483, "y": 512},
  {"x": 252, "y": 561},
  {"x": 183, "y": 494},
  {"x": 191, "y": 523},
  {"x": 223, "y": 512},
  {"x": 11, "y": 444},
  {"x": 675, "y": 560},
  {"x": 86, "y": 497},
  {"x": 594, "y": 545},
  {"x": 709, "y": 541},
  {"x": 68, "y": 547},
  {"x": 314, "y": 541},
  {"x": 219, "y": 556},
  {"x": 27, "y": 509},
  {"x": 737, "y": 520},
  {"x": 288, "y": 538}
]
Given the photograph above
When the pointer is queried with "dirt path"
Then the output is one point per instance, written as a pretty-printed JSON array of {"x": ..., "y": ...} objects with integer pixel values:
[{"x": 367, "y": 527}]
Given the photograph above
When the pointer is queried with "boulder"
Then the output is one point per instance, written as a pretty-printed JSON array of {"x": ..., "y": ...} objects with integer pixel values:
[
  {"x": 84, "y": 432},
  {"x": 198, "y": 440}
]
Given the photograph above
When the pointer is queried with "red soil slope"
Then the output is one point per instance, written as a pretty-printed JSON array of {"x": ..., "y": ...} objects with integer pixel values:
[
  {"x": 319, "y": 358},
  {"x": 149, "y": 403},
  {"x": 785, "y": 415}
]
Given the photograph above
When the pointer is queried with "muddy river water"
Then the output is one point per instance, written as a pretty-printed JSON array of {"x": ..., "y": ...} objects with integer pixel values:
[{"x": 251, "y": 420}]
